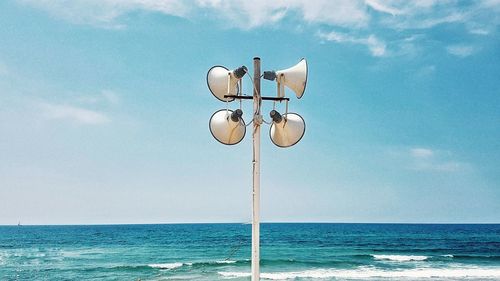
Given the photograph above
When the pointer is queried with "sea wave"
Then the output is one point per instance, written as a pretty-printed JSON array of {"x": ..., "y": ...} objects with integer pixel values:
[
  {"x": 226, "y": 262},
  {"x": 400, "y": 258},
  {"x": 245, "y": 262},
  {"x": 220, "y": 263},
  {"x": 168, "y": 265},
  {"x": 174, "y": 265},
  {"x": 407, "y": 258},
  {"x": 477, "y": 257},
  {"x": 368, "y": 272}
]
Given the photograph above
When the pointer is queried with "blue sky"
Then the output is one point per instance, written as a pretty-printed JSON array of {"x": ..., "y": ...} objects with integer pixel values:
[{"x": 104, "y": 111}]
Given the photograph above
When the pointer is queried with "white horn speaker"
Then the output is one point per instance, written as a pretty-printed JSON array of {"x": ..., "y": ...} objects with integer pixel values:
[
  {"x": 294, "y": 78},
  {"x": 286, "y": 130},
  {"x": 227, "y": 126},
  {"x": 222, "y": 81}
]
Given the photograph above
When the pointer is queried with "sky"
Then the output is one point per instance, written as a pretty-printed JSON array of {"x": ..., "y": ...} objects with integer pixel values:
[{"x": 104, "y": 111}]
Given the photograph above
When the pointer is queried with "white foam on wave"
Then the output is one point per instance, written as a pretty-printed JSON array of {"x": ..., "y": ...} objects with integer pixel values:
[
  {"x": 368, "y": 272},
  {"x": 400, "y": 258},
  {"x": 167, "y": 265},
  {"x": 231, "y": 274},
  {"x": 447, "y": 256},
  {"x": 180, "y": 264},
  {"x": 225, "y": 262}
]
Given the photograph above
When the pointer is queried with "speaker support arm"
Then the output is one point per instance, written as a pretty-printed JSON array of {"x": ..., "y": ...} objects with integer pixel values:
[{"x": 251, "y": 97}]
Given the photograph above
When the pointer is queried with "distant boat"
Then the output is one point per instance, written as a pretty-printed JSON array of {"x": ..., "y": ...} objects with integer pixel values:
[{"x": 19, "y": 223}]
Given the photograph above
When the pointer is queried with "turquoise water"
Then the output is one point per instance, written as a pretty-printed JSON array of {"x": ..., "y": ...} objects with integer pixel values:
[{"x": 222, "y": 252}]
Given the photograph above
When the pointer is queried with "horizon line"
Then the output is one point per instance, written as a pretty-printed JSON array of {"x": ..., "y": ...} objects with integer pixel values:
[{"x": 265, "y": 222}]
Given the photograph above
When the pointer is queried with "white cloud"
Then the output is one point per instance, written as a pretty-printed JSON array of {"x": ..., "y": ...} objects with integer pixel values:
[
  {"x": 477, "y": 28},
  {"x": 241, "y": 13},
  {"x": 461, "y": 50},
  {"x": 105, "y": 97},
  {"x": 420, "y": 153},
  {"x": 409, "y": 46},
  {"x": 376, "y": 46},
  {"x": 72, "y": 113},
  {"x": 420, "y": 20},
  {"x": 347, "y": 13},
  {"x": 479, "y": 31},
  {"x": 426, "y": 159},
  {"x": 250, "y": 14},
  {"x": 104, "y": 13},
  {"x": 351, "y": 16},
  {"x": 245, "y": 14},
  {"x": 491, "y": 3},
  {"x": 431, "y": 22},
  {"x": 376, "y": 5}
]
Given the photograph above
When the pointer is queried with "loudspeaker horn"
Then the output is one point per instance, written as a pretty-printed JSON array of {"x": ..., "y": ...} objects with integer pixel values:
[
  {"x": 227, "y": 126},
  {"x": 287, "y": 129},
  {"x": 294, "y": 78},
  {"x": 222, "y": 81}
]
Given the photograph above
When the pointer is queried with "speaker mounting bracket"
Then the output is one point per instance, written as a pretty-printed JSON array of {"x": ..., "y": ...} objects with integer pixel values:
[{"x": 251, "y": 98}]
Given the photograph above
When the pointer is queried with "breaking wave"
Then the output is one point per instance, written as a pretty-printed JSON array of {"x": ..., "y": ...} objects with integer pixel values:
[
  {"x": 400, "y": 258},
  {"x": 175, "y": 265},
  {"x": 167, "y": 265}
]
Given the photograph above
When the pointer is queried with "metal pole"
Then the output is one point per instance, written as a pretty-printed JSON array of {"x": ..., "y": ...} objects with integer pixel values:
[{"x": 257, "y": 121}]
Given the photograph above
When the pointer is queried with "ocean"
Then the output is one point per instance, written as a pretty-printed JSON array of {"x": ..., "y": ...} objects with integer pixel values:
[{"x": 222, "y": 252}]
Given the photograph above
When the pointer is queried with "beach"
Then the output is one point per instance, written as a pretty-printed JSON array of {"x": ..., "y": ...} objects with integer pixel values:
[{"x": 222, "y": 252}]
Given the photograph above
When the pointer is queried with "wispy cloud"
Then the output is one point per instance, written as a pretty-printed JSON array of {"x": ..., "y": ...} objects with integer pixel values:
[
  {"x": 427, "y": 159},
  {"x": 246, "y": 14},
  {"x": 73, "y": 113},
  {"x": 75, "y": 108},
  {"x": 365, "y": 17},
  {"x": 105, "y": 97},
  {"x": 421, "y": 153},
  {"x": 426, "y": 23},
  {"x": 376, "y": 46},
  {"x": 376, "y": 5},
  {"x": 104, "y": 13},
  {"x": 425, "y": 71},
  {"x": 478, "y": 29},
  {"x": 351, "y": 14},
  {"x": 461, "y": 50},
  {"x": 342, "y": 13},
  {"x": 240, "y": 13},
  {"x": 250, "y": 14},
  {"x": 495, "y": 4}
]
